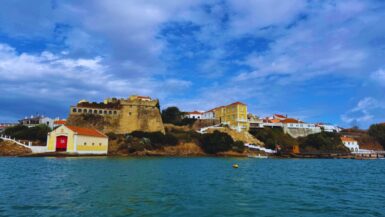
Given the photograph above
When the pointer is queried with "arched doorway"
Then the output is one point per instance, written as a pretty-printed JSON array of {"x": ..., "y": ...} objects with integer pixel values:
[{"x": 61, "y": 143}]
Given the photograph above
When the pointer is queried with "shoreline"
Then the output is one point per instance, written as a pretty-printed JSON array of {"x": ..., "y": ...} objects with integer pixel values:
[{"x": 67, "y": 155}]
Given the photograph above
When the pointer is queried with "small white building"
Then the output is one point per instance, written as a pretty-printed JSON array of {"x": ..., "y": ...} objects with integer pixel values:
[
  {"x": 350, "y": 143},
  {"x": 193, "y": 115}
]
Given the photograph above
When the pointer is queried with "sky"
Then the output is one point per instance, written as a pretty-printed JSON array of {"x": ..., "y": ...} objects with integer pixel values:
[{"x": 319, "y": 61}]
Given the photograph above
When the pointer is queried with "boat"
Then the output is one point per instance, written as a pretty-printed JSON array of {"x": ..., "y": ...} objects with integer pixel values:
[
  {"x": 259, "y": 156},
  {"x": 235, "y": 166}
]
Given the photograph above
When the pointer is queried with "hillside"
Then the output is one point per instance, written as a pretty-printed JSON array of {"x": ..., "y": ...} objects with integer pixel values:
[{"x": 11, "y": 149}]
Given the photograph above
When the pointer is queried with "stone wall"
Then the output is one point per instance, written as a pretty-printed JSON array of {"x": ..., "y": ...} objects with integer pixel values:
[{"x": 133, "y": 115}]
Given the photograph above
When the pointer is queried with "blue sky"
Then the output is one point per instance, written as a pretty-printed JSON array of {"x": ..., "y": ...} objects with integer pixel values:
[{"x": 315, "y": 60}]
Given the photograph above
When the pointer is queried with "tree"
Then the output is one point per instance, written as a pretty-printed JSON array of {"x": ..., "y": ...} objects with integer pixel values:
[
  {"x": 324, "y": 142},
  {"x": 274, "y": 136},
  {"x": 38, "y": 132},
  {"x": 377, "y": 131},
  {"x": 215, "y": 142},
  {"x": 172, "y": 115}
]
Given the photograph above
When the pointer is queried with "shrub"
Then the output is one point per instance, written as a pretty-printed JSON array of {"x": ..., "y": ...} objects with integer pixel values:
[
  {"x": 377, "y": 131},
  {"x": 239, "y": 146},
  {"x": 157, "y": 139},
  {"x": 112, "y": 136},
  {"x": 324, "y": 142},
  {"x": 215, "y": 142},
  {"x": 38, "y": 132},
  {"x": 274, "y": 136}
]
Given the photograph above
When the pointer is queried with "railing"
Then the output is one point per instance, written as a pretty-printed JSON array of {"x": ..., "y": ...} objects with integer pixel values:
[
  {"x": 364, "y": 151},
  {"x": 34, "y": 149},
  {"x": 261, "y": 148}
]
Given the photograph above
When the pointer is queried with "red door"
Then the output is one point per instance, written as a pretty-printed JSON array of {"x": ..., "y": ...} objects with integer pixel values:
[{"x": 61, "y": 143}]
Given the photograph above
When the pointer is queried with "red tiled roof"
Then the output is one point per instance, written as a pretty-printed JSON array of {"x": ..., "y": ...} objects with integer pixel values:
[
  {"x": 280, "y": 116},
  {"x": 347, "y": 139},
  {"x": 291, "y": 120},
  {"x": 86, "y": 131},
  {"x": 60, "y": 122},
  {"x": 237, "y": 103}
]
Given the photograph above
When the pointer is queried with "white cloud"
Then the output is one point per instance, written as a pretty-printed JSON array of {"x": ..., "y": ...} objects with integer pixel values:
[
  {"x": 53, "y": 76},
  {"x": 365, "y": 112},
  {"x": 379, "y": 76}
]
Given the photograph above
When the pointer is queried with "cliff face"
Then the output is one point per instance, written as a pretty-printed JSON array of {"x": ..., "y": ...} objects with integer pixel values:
[{"x": 132, "y": 117}]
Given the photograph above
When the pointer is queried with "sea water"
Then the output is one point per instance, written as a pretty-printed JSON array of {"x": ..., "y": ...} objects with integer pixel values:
[{"x": 150, "y": 186}]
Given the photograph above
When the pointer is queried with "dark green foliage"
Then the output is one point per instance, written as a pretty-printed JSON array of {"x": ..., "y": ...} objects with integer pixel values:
[
  {"x": 238, "y": 146},
  {"x": 112, "y": 136},
  {"x": 172, "y": 115},
  {"x": 157, "y": 139},
  {"x": 324, "y": 142},
  {"x": 377, "y": 131},
  {"x": 38, "y": 132},
  {"x": 274, "y": 136},
  {"x": 133, "y": 144},
  {"x": 215, "y": 142}
]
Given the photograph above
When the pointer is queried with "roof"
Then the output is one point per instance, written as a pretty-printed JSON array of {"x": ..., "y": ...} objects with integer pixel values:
[
  {"x": 280, "y": 116},
  {"x": 237, "y": 103},
  {"x": 60, "y": 122},
  {"x": 291, "y": 120},
  {"x": 347, "y": 139},
  {"x": 86, "y": 131}
]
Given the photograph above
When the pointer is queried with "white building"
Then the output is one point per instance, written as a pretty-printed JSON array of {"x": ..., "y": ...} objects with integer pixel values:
[
  {"x": 33, "y": 121},
  {"x": 350, "y": 143},
  {"x": 193, "y": 115}
]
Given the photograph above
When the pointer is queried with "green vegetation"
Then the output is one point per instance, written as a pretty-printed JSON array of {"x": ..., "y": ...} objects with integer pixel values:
[
  {"x": 38, "y": 132},
  {"x": 322, "y": 142},
  {"x": 377, "y": 131},
  {"x": 239, "y": 146},
  {"x": 274, "y": 136},
  {"x": 157, "y": 139},
  {"x": 172, "y": 115},
  {"x": 215, "y": 142},
  {"x": 140, "y": 141}
]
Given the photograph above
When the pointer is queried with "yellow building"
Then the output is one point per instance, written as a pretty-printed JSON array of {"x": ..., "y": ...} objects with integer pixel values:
[
  {"x": 235, "y": 115},
  {"x": 77, "y": 140}
]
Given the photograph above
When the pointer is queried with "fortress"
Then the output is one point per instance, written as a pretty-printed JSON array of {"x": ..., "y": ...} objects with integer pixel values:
[{"x": 136, "y": 113}]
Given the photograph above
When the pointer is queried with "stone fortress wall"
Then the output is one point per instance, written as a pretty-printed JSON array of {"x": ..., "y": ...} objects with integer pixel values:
[{"x": 120, "y": 116}]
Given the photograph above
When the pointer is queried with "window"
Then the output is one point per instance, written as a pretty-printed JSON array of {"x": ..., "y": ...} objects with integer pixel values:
[
  {"x": 100, "y": 144},
  {"x": 79, "y": 110},
  {"x": 100, "y": 111},
  {"x": 95, "y": 111},
  {"x": 129, "y": 113},
  {"x": 85, "y": 143},
  {"x": 105, "y": 112},
  {"x": 115, "y": 112},
  {"x": 93, "y": 144},
  {"x": 74, "y": 110},
  {"x": 110, "y": 112},
  {"x": 90, "y": 111}
]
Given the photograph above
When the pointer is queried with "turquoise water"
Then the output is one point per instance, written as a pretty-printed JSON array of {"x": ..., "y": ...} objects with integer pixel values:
[{"x": 190, "y": 187}]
